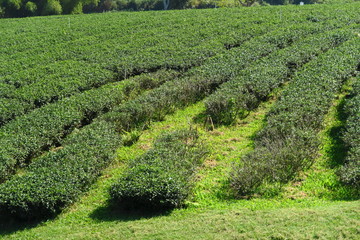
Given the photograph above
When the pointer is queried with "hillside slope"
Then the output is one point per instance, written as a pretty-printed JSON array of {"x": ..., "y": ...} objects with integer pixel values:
[{"x": 267, "y": 95}]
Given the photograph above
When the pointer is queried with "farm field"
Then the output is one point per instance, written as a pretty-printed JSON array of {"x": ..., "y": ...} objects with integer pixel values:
[{"x": 216, "y": 123}]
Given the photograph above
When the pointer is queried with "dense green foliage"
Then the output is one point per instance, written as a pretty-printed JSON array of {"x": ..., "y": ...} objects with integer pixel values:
[
  {"x": 31, "y": 78},
  {"x": 23, "y": 8},
  {"x": 163, "y": 176},
  {"x": 244, "y": 93},
  {"x": 26, "y": 8},
  {"x": 350, "y": 173},
  {"x": 203, "y": 80},
  {"x": 71, "y": 85},
  {"x": 289, "y": 141},
  {"x": 46, "y": 126},
  {"x": 58, "y": 178}
]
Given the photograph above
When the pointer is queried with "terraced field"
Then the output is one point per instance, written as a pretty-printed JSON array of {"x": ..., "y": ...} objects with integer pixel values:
[{"x": 151, "y": 124}]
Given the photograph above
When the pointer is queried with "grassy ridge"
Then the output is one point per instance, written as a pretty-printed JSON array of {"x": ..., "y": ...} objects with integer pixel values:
[{"x": 337, "y": 221}]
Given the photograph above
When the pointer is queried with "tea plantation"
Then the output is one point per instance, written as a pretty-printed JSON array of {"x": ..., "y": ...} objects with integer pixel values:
[{"x": 239, "y": 123}]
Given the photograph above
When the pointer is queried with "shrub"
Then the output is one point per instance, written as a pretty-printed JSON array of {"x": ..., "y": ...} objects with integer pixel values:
[
  {"x": 58, "y": 178},
  {"x": 201, "y": 81},
  {"x": 288, "y": 143},
  {"x": 52, "y": 7},
  {"x": 15, "y": 4},
  {"x": 350, "y": 172},
  {"x": 31, "y": 8},
  {"x": 47, "y": 126},
  {"x": 237, "y": 97},
  {"x": 163, "y": 176},
  {"x": 278, "y": 160}
]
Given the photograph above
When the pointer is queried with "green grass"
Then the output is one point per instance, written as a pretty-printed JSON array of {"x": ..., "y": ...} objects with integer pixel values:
[
  {"x": 339, "y": 221},
  {"x": 306, "y": 209}
]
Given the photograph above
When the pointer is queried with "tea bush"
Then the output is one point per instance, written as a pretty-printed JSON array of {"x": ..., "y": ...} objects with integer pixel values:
[
  {"x": 163, "y": 176},
  {"x": 350, "y": 172},
  {"x": 289, "y": 143}
]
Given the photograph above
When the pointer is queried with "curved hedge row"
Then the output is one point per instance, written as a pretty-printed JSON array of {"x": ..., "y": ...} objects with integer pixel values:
[
  {"x": 29, "y": 135},
  {"x": 163, "y": 176},
  {"x": 65, "y": 29},
  {"x": 32, "y": 88},
  {"x": 152, "y": 105},
  {"x": 58, "y": 178},
  {"x": 289, "y": 141},
  {"x": 97, "y": 52},
  {"x": 350, "y": 172},
  {"x": 63, "y": 81},
  {"x": 236, "y": 98},
  {"x": 201, "y": 81}
]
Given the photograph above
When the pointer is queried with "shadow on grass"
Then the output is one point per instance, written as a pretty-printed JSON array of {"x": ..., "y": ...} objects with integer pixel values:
[
  {"x": 337, "y": 153},
  {"x": 113, "y": 212},
  {"x": 10, "y": 225},
  {"x": 337, "y": 150}
]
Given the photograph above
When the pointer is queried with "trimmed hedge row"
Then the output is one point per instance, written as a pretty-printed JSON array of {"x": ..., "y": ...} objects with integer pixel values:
[
  {"x": 163, "y": 176},
  {"x": 125, "y": 48},
  {"x": 289, "y": 142},
  {"x": 31, "y": 134},
  {"x": 58, "y": 178},
  {"x": 32, "y": 88},
  {"x": 350, "y": 172},
  {"x": 64, "y": 81},
  {"x": 153, "y": 105},
  {"x": 202, "y": 81},
  {"x": 236, "y": 98},
  {"x": 16, "y": 38},
  {"x": 116, "y": 40},
  {"x": 90, "y": 29}
]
